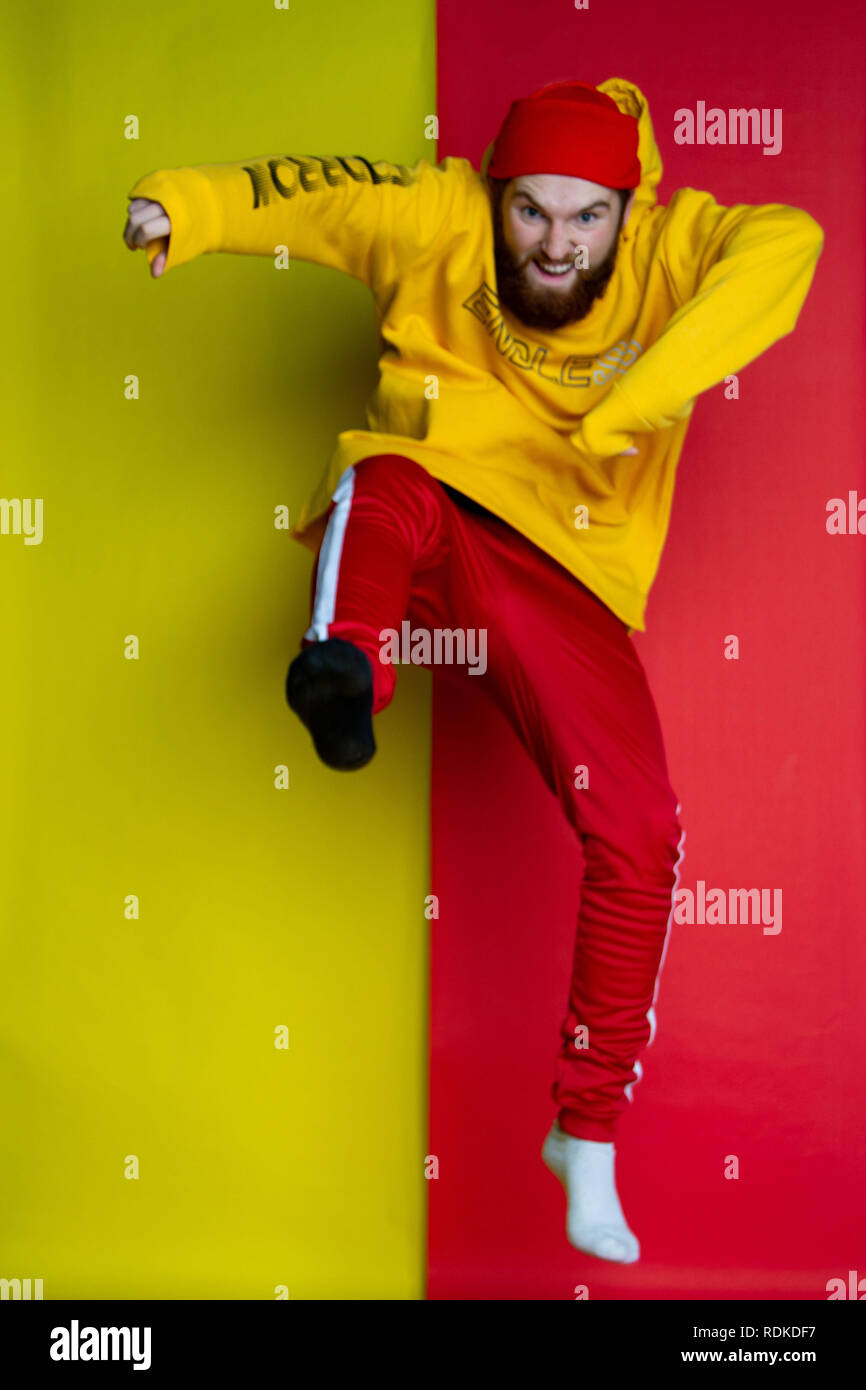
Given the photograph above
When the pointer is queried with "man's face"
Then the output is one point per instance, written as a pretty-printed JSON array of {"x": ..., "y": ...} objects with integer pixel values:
[{"x": 540, "y": 222}]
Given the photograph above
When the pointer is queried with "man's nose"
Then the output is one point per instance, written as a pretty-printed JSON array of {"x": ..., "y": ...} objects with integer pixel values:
[{"x": 557, "y": 244}]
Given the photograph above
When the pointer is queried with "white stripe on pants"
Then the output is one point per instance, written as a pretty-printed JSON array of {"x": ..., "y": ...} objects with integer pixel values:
[{"x": 325, "y": 602}]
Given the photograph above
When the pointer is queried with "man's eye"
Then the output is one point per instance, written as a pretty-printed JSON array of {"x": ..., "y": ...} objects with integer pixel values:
[
  {"x": 530, "y": 209},
  {"x": 588, "y": 214}
]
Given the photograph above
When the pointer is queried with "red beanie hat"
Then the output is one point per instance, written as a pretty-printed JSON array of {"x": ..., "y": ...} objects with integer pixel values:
[{"x": 568, "y": 128}]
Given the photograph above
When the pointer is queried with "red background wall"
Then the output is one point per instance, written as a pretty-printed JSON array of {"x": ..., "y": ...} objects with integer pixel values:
[{"x": 760, "y": 1039}]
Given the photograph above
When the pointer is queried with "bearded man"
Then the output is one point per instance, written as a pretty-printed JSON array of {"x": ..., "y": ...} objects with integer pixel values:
[{"x": 546, "y": 327}]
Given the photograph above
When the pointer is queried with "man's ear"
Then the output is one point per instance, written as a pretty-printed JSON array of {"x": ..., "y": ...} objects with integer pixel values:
[
  {"x": 628, "y": 207},
  {"x": 497, "y": 196}
]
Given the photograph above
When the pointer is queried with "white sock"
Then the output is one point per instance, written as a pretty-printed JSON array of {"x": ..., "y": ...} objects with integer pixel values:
[{"x": 595, "y": 1221}]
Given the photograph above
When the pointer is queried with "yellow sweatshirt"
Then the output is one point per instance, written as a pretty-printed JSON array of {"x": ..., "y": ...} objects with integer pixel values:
[{"x": 527, "y": 422}]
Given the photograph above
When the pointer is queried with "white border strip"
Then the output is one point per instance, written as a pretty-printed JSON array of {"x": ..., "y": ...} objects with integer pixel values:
[
  {"x": 651, "y": 1013},
  {"x": 330, "y": 553}
]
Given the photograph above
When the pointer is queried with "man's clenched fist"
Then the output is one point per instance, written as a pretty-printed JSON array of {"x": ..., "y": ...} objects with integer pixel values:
[{"x": 148, "y": 224}]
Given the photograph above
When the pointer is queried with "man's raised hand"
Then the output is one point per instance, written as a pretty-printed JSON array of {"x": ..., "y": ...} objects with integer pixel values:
[{"x": 147, "y": 225}]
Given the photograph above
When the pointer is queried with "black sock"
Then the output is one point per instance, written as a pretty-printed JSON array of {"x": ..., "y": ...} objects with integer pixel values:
[{"x": 330, "y": 688}]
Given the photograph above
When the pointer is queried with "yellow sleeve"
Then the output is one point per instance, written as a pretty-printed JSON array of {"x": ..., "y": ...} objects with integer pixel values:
[
  {"x": 367, "y": 219},
  {"x": 743, "y": 274}
]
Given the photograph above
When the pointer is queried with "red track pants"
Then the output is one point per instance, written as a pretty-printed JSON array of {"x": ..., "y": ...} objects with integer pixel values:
[{"x": 562, "y": 668}]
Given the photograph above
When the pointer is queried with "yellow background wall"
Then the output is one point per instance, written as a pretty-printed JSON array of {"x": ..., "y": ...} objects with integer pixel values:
[{"x": 258, "y": 907}]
